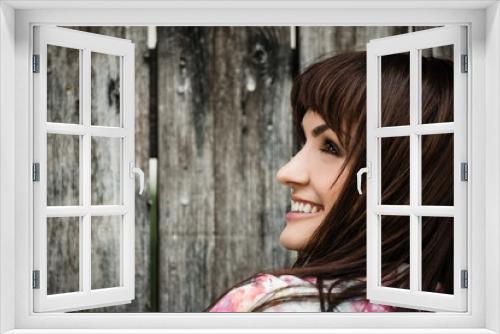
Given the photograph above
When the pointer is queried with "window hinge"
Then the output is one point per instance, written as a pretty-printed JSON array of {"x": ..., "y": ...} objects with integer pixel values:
[
  {"x": 36, "y": 63},
  {"x": 464, "y": 279},
  {"x": 464, "y": 171},
  {"x": 36, "y": 279},
  {"x": 465, "y": 67},
  {"x": 36, "y": 171}
]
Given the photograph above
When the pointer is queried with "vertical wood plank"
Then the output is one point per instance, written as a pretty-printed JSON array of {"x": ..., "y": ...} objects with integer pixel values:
[
  {"x": 185, "y": 168},
  {"x": 253, "y": 139},
  {"x": 224, "y": 130}
]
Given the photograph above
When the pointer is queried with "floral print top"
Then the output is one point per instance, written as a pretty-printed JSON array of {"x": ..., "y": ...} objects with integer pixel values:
[{"x": 245, "y": 297}]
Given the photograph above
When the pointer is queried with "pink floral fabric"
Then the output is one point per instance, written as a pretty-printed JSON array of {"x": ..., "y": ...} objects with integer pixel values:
[{"x": 259, "y": 290}]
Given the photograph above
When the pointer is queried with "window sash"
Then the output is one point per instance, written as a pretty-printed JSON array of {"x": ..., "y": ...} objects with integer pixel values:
[
  {"x": 413, "y": 43},
  {"x": 86, "y": 297}
]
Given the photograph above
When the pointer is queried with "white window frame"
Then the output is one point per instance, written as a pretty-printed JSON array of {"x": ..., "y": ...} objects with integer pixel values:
[
  {"x": 16, "y": 20},
  {"x": 85, "y": 43},
  {"x": 414, "y": 43}
]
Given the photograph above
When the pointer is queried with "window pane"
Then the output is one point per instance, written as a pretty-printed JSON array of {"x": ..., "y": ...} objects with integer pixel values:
[
  {"x": 105, "y": 233},
  {"x": 395, "y": 251},
  {"x": 63, "y": 77},
  {"x": 437, "y": 169},
  {"x": 106, "y": 173},
  {"x": 395, "y": 172},
  {"x": 105, "y": 90},
  {"x": 63, "y": 248},
  {"x": 437, "y": 248},
  {"x": 437, "y": 79},
  {"x": 395, "y": 89},
  {"x": 63, "y": 169}
]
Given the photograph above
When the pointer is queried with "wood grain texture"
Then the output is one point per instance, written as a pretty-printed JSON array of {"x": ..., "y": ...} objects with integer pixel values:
[
  {"x": 224, "y": 130},
  {"x": 185, "y": 168},
  {"x": 317, "y": 43},
  {"x": 252, "y": 141}
]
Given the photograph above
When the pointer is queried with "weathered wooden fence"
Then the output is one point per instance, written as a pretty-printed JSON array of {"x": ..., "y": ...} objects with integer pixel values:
[{"x": 224, "y": 129}]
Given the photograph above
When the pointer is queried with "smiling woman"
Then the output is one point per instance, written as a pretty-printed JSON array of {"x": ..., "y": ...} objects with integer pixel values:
[
  {"x": 327, "y": 221},
  {"x": 310, "y": 174}
]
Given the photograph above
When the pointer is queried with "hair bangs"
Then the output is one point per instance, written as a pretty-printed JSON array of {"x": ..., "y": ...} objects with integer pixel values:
[{"x": 335, "y": 89}]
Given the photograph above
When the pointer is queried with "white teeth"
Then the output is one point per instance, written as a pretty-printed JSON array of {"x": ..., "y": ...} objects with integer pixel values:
[
  {"x": 307, "y": 208},
  {"x": 304, "y": 207}
]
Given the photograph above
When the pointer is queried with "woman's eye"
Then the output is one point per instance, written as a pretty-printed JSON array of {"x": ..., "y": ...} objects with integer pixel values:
[{"x": 330, "y": 147}]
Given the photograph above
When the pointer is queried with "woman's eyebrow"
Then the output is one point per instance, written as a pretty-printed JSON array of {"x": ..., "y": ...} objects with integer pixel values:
[{"x": 320, "y": 129}]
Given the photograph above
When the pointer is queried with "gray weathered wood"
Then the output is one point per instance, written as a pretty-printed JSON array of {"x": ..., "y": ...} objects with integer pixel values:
[
  {"x": 185, "y": 168},
  {"x": 317, "y": 43},
  {"x": 224, "y": 130},
  {"x": 253, "y": 139}
]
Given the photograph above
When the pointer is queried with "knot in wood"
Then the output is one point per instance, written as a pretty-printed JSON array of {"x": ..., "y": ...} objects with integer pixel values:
[{"x": 259, "y": 55}]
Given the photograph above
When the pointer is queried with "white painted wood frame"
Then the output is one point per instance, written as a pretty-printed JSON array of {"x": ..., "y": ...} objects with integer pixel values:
[
  {"x": 16, "y": 21},
  {"x": 85, "y": 43},
  {"x": 414, "y": 43}
]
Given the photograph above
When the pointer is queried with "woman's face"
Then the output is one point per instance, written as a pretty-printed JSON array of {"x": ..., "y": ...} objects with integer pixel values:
[{"x": 310, "y": 175}]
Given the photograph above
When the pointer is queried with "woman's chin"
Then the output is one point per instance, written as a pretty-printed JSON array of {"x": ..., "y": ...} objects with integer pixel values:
[
  {"x": 291, "y": 241},
  {"x": 296, "y": 233}
]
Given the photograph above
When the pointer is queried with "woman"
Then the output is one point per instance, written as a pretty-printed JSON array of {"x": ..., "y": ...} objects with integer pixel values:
[{"x": 327, "y": 221}]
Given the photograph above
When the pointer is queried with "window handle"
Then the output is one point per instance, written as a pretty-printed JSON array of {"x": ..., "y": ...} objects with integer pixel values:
[
  {"x": 136, "y": 170},
  {"x": 360, "y": 173}
]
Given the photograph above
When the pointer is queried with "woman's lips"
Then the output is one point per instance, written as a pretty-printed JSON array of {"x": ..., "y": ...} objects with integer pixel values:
[{"x": 292, "y": 215}]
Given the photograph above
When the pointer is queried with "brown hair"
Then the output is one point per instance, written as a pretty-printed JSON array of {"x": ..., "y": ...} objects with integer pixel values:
[{"x": 335, "y": 88}]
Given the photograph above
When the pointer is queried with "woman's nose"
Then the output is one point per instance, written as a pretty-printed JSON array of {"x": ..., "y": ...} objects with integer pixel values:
[{"x": 294, "y": 171}]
